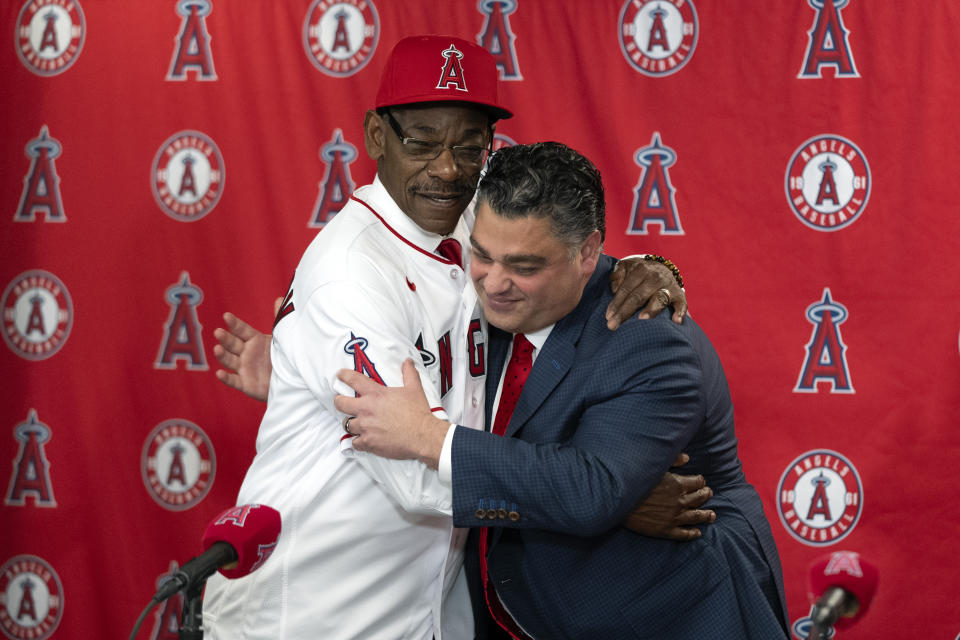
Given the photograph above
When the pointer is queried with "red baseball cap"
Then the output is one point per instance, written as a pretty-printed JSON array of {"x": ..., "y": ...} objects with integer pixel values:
[{"x": 437, "y": 69}]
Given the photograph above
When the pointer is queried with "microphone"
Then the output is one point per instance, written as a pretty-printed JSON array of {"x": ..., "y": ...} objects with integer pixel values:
[
  {"x": 847, "y": 585},
  {"x": 236, "y": 543}
]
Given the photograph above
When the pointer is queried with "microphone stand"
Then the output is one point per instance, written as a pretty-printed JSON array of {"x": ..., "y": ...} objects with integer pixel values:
[{"x": 191, "y": 617}]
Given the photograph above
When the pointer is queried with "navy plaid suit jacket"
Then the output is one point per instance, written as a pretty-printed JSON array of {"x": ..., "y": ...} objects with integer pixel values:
[{"x": 601, "y": 418}]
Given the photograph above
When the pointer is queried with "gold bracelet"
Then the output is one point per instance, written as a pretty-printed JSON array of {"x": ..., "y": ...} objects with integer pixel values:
[{"x": 669, "y": 265}]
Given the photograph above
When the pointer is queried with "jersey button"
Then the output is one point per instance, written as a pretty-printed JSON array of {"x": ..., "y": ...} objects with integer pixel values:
[
  {"x": 454, "y": 273},
  {"x": 474, "y": 401}
]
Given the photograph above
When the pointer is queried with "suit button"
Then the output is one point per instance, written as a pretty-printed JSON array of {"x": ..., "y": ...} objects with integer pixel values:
[
  {"x": 514, "y": 516},
  {"x": 491, "y": 514},
  {"x": 502, "y": 513},
  {"x": 481, "y": 513}
]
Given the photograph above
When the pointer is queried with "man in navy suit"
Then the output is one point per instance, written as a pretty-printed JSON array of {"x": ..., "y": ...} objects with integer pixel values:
[{"x": 598, "y": 417}]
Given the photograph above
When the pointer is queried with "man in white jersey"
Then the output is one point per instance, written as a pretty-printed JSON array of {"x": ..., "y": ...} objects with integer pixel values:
[{"x": 365, "y": 550}]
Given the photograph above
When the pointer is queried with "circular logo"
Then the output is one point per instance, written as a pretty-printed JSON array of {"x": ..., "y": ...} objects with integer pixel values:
[
  {"x": 187, "y": 176},
  {"x": 657, "y": 37},
  {"x": 340, "y": 37},
  {"x": 178, "y": 464},
  {"x": 820, "y": 498},
  {"x": 828, "y": 182},
  {"x": 37, "y": 314},
  {"x": 49, "y": 35},
  {"x": 32, "y": 598}
]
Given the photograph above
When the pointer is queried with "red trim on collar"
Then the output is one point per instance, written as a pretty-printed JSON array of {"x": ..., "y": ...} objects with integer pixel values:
[{"x": 396, "y": 233}]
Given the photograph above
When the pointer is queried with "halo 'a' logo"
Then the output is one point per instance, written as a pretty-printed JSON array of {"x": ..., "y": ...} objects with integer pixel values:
[
  {"x": 828, "y": 45},
  {"x": 828, "y": 182},
  {"x": 653, "y": 201},
  {"x": 31, "y": 598},
  {"x": 193, "y": 43},
  {"x": 41, "y": 185},
  {"x": 37, "y": 314},
  {"x": 187, "y": 176},
  {"x": 49, "y": 35},
  {"x": 826, "y": 359},
  {"x": 178, "y": 464},
  {"x": 31, "y": 469},
  {"x": 337, "y": 184},
  {"x": 341, "y": 37},
  {"x": 820, "y": 498},
  {"x": 657, "y": 37},
  {"x": 497, "y": 38}
]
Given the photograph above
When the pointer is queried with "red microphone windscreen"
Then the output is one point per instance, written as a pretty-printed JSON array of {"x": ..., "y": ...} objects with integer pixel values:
[
  {"x": 251, "y": 529},
  {"x": 845, "y": 569}
]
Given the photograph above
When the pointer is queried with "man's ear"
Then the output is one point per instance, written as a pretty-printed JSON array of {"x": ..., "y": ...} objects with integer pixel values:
[
  {"x": 373, "y": 135},
  {"x": 590, "y": 252}
]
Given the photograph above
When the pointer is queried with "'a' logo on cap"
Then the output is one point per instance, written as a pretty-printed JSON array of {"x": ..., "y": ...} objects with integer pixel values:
[{"x": 452, "y": 74}]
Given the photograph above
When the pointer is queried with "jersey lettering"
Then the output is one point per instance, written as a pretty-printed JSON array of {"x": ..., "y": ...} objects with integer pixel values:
[
  {"x": 446, "y": 364},
  {"x": 476, "y": 349}
]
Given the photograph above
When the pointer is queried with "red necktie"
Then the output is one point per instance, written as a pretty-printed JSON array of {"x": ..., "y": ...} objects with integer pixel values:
[
  {"x": 450, "y": 249},
  {"x": 517, "y": 371}
]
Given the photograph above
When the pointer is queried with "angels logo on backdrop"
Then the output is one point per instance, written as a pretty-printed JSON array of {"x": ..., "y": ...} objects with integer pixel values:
[
  {"x": 37, "y": 314},
  {"x": 166, "y": 622},
  {"x": 827, "y": 182},
  {"x": 187, "y": 176},
  {"x": 801, "y": 627},
  {"x": 362, "y": 363},
  {"x": 497, "y": 37},
  {"x": 828, "y": 44},
  {"x": 826, "y": 359},
  {"x": 31, "y": 469},
  {"x": 657, "y": 37},
  {"x": 32, "y": 598},
  {"x": 178, "y": 464},
  {"x": 820, "y": 498},
  {"x": 337, "y": 184},
  {"x": 653, "y": 201},
  {"x": 339, "y": 38},
  {"x": 41, "y": 185},
  {"x": 182, "y": 338},
  {"x": 192, "y": 50},
  {"x": 49, "y": 35}
]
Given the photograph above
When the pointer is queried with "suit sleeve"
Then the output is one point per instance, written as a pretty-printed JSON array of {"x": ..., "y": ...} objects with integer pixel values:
[
  {"x": 629, "y": 420},
  {"x": 343, "y": 326}
]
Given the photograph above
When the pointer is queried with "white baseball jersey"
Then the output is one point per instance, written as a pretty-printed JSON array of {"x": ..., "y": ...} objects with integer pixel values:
[{"x": 365, "y": 550}]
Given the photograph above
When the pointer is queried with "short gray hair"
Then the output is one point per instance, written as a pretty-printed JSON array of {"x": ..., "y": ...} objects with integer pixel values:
[{"x": 546, "y": 180}]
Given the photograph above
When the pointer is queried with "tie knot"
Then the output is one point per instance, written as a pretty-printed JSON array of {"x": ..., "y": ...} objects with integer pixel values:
[
  {"x": 521, "y": 346},
  {"x": 450, "y": 249}
]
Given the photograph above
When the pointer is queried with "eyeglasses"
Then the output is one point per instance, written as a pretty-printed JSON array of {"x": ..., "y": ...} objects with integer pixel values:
[{"x": 466, "y": 156}]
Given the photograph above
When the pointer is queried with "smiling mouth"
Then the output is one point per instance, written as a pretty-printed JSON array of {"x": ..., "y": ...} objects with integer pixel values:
[{"x": 441, "y": 197}]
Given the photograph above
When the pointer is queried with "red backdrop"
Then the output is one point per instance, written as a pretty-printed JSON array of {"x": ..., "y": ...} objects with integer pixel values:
[{"x": 163, "y": 162}]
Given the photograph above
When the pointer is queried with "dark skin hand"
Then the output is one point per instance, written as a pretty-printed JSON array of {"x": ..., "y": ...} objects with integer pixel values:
[
  {"x": 671, "y": 510},
  {"x": 636, "y": 281}
]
